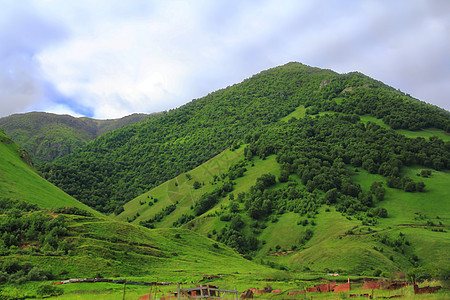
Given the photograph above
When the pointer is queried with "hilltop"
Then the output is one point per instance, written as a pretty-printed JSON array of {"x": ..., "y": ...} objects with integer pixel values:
[{"x": 48, "y": 136}]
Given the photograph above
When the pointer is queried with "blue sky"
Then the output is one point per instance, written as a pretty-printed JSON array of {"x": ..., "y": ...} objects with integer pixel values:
[{"x": 109, "y": 58}]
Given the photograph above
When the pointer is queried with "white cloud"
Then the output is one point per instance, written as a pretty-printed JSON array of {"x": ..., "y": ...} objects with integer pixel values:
[{"x": 119, "y": 57}]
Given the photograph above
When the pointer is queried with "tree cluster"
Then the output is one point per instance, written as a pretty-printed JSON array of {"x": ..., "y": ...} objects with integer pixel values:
[{"x": 320, "y": 149}]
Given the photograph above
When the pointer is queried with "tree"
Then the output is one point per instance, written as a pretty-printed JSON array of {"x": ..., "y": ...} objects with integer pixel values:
[
  {"x": 420, "y": 186},
  {"x": 197, "y": 185},
  {"x": 236, "y": 223},
  {"x": 265, "y": 181},
  {"x": 234, "y": 207},
  {"x": 331, "y": 196},
  {"x": 410, "y": 187}
]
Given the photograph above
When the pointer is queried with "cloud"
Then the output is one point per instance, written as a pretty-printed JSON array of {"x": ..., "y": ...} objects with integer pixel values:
[
  {"x": 23, "y": 34},
  {"x": 109, "y": 58}
]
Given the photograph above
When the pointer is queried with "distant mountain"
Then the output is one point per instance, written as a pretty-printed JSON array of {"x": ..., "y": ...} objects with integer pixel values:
[{"x": 48, "y": 136}]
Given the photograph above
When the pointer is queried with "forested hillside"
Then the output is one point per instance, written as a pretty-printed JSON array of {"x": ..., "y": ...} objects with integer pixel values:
[
  {"x": 122, "y": 164},
  {"x": 48, "y": 136}
]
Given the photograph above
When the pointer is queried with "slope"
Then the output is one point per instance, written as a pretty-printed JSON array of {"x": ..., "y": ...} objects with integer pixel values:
[
  {"x": 39, "y": 245},
  {"x": 113, "y": 249},
  {"x": 48, "y": 136},
  {"x": 20, "y": 181}
]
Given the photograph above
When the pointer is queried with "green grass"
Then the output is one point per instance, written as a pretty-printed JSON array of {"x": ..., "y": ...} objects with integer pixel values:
[
  {"x": 379, "y": 122},
  {"x": 20, "y": 181},
  {"x": 298, "y": 113},
  {"x": 402, "y": 206},
  {"x": 181, "y": 189},
  {"x": 121, "y": 250},
  {"x": 409, "y": 213},
  {"x": 116, "y": 291},
  {"x": 331, "y": 249},
  {"x": 425, "y": 133},
  {"x": 284, "y": 233}
]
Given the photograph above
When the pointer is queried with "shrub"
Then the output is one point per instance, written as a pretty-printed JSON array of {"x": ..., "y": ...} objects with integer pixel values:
[
  {"x": 48, "y": 290},
  {"x": 37, "y": 274}
]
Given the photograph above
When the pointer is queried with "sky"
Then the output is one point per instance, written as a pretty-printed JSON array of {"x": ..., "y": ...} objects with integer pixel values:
[{"x": 110, "y": 58}]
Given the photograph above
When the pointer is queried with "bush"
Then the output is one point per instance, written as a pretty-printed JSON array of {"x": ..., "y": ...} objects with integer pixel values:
[
  {"x": 37, "y": 274},
  {"x": 377, "y": 273},
  {"x": 226, "y": 217},
  {"x": 48, "y": 290},
  {"x": 18, "y": 277},
  {"x": 70, "y": 210}
]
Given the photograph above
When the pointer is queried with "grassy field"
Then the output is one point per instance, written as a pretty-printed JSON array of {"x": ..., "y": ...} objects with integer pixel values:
[
  {"x": 20, "y": 181},
  {"x": 417, "y": 214},
  {"x": 298, "y": 113},
  {"x": 112, "y": 249},
  {"x": 286, "y": 284},
  {"x": 425, "y": 133}
]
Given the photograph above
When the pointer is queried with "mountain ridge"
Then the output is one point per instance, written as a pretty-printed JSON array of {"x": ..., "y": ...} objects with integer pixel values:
[{"x": 47, "y": 136}]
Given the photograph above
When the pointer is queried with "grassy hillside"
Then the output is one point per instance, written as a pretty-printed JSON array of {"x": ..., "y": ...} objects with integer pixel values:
[
  {"x": 48, "y": 136},
  {"x": 20, "y": 181},
  {"x": 97, "y": 247},
  {"x": 423, "y": 133}
]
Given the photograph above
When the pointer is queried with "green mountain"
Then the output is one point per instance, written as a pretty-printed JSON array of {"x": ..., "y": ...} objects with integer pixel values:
[
  {"x": 48, "y": 136},
  {"x": 122, "y": 164}
]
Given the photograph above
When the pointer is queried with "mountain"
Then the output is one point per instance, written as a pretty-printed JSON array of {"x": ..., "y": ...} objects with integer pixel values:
[
  {"x": 122, "y": 164},
  {"x": 48, "y": 136}
]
